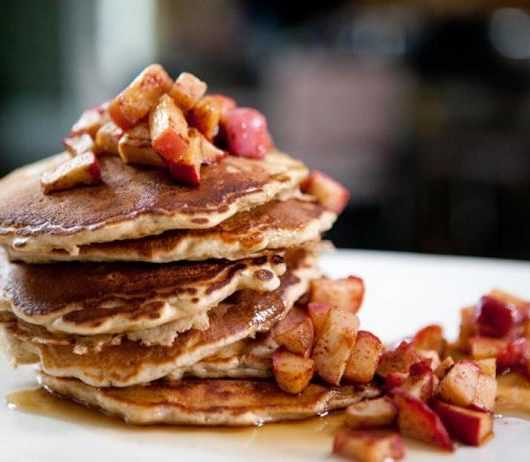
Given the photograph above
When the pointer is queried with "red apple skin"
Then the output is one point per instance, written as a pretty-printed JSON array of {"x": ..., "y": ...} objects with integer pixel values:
[
  {"x": 398, "y": 360},
  {"x": 189, "y": 174},
  {"x": 515, "y": 356},
  {"x": 417, "y": 420},
  {"x": 430, "y": 338},
  {"x": 465, "y": 425},
  {"x": 495, "y": 318},
  {"x": 247, "y": 133}
]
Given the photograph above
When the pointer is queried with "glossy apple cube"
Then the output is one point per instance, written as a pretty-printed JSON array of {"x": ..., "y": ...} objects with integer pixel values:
[
  {"x": 460, "y": 384},
  {"x": 80, "y": 170},
  {"x": 90, "y": 122},
  {"x": 429, "y": 338},
  {"x": 246, "y": 133},
  {"x": 292, "y": 372},
  {"x": 295, "y": 332},
  {"x": 467, "y": 426},
  {"x": 364, "y": 359},
  {"x": 371, "y": 413},
  {"x": 398, "y": 360},
  {"x": 205, "y": 117},
  {"x": 187, "y": 90},
  {"x": 496, "y": 318},
  {"x": 140, "y": 97},
  {"x": 335, "y": 344},
  {"x": 417, "y": 420},
  {"x": 318, "y": 312},
  {"x": 135, "y": 147},
  {"x": 108, "y": 138},
  {"x": 345, "y": 294},
  {"x": 79, "y": 144}
]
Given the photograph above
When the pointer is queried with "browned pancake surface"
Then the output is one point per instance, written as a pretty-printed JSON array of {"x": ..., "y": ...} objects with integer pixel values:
[{"x": 125, "y": 193}]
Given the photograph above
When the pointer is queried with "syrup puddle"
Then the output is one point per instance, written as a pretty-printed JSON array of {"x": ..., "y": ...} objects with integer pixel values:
[{"x": 305, "y": 437}]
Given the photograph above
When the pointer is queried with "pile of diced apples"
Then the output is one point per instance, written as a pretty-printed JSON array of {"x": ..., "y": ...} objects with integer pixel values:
[
  {"x": 427, "y": 398},
  {"x": 159, "y": 122},
  {"x": 425, "y": 393}
]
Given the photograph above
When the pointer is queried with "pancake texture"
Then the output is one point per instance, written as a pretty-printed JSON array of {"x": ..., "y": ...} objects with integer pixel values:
[
  {"x": 106, "y": 298},
  {"x": 134, "y": 202},
  {"x": 209, "y": 402},
  {"x": 129, "y": 363},
  {"x": 275, "y": 225}
]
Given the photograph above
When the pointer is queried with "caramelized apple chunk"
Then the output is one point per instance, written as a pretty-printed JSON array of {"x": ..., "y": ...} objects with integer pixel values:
[
  {"x": 369, "y": 446},
  {"x": 330, "y": 193},
  {"x": 292, "y": 372},
  {"x": 108, "y": 138},
  {"x": 80, "y": 170},
  {"x": 135, "y": 147},
  {"x": 140, "y": 97},
  {"x": 79, "y": 144},
  {"x": 90, "y": 121},
  {"x": 345, "y": 294},
  {"x": 205, "y": 117},
  {"x": 169, "y": 129},
  {"x": 187, "y": 90}
]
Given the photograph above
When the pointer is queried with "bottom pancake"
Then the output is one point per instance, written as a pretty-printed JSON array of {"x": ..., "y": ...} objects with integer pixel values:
[{"x": 209, "y": 402}]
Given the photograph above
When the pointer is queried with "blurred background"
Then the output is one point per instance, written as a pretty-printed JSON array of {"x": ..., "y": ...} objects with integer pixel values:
[{"x": 422, "y": 108}]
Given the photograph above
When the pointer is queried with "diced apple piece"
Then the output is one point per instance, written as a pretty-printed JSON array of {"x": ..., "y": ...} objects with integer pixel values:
[
  {"x": 246, "y": 133},
  {"x": 398, "y": 360},
  {"x": 460, "y": 384},
  {"x": 187, "y": 168},
  {"x": 295, "y": 332},
  {"x": 292, "y": 372},
  {"x": 513, "y": 393},
  {"x": 420, "y": 385},
  {"x": 515, "y": 355},
  {"x": 209, "y": 152},
  {"x": 169, "y": 129},
  {"x": 484, "y": 399},
  {"x": 394, "y": 380},
  {"x": 487, "y": 366},
  {"x": 135, "y": 147},
  {"x": 430, "y": 357},
  {"x": 335, "y": 344},
  {"x": 79, "y": 144},
  {"x": 140, "y": 97},
  {"x": 505, "y": 297},
  {"x": 108, "y": 138},
  {"x": 444, "y": 367},
  {"x": 205, "y": 117},
  {"x": 80, "y": 170},
  {"x": 469, "y": 427},
  {"x": 496, "y": 318},
  {"x": 369, "y": 446},
  {"x": 345, "y": 294},
  {"x": 329, "y": 193},
  {"x": 318, "y": 313},
  {"x": 90, "y": 122},
  {"x": 371, "y": 413},
  {"x": 485, "y": 347},
  {"x": 468, "y": 327},
  {"x": 417, "y": 420},
  {"x": 187, "y": 90},
  {"x": 225, "y": 102},
  {"x": 364, "y": 358},
  {"x": 429, "y": 338}
]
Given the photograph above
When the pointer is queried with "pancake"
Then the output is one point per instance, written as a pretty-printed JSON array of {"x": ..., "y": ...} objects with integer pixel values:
[
  {"x": 244, "y": 315},
  {"x": 209, "y": 402},
  {"x": 103, "y": 298},
  {"x": 275, "y": 225},
  {"x": 134, "y": 202}
]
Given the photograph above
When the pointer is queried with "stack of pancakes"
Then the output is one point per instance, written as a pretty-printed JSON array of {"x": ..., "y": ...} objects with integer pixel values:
[{"x": 155, "y": 301}]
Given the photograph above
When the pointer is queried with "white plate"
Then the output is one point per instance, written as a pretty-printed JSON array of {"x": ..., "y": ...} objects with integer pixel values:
[{"x": 404, "y": 292}]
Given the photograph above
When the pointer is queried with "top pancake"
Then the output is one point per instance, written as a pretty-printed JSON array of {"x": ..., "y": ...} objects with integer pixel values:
[
  {"x": 134, "y": 202},
  {"x": 274, "y": 225}
]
